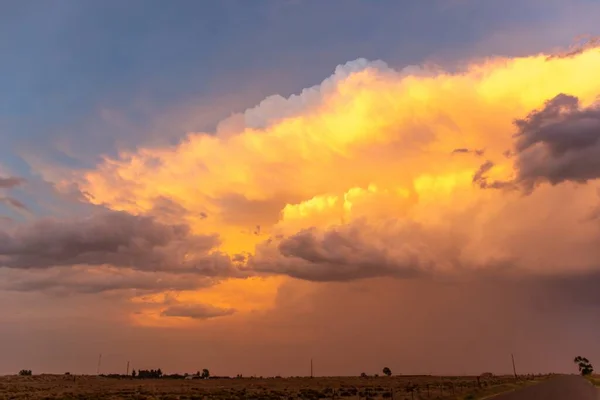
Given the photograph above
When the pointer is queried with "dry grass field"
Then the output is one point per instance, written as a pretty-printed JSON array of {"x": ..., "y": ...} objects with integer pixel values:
[
  {"x": 395, "y": 387},
  {"x": 594, "y": 379}
]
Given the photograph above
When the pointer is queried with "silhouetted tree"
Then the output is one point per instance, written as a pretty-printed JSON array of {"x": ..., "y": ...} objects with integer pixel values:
[
  {"x": 387, "y": 371},
  {"x": 205, "y": 374},
  {"x": 149, "y": 374},
  {"x": 25, "y": 372},
  {"x": 363, "y": 375},
  {"x": 133, "y": 374},
  {"x": 585, "y": 368}
]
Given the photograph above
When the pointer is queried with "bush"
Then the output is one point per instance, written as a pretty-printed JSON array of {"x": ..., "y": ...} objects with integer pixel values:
[
  {"x": 25, "y": 372},
  {"x": 149, "y": 374}
]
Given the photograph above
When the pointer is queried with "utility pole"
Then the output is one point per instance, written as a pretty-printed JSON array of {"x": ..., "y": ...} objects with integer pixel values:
[
  {"x": 513, "y": 362},
  {"x": 99, "y": 361},
  {"x": 311, "y": 368},
  {"x": 127, "y": 368}
]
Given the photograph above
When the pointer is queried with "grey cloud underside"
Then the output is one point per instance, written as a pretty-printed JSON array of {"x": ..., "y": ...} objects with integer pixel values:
[
  {"x": 349, "y": 252},
  {"x": 10, "y": 182},
  {"x": 196, "y": 311},
  {"x": 558, "y": 143},
  {"x": 113, "y": 238},
  {"x": 92, "y": 280}
]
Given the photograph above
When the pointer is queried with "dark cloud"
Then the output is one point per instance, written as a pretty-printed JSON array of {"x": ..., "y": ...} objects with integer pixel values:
[
  {"x": 70, "y": 280},
  {"x": 349, "y": 252},
  {"x": 113, "y": 238},
  {"x": 14, "y": 203},
  {"x": 556, "y": 144},
  {"x": 239, "y": 258},
  {"x": 10, "y": 182},
  {"x": 480, "y": 179},
  {"x": 463, "y": 150},
  {"x": 196, "y": 311},
  {"x": 560, "y": 142}
]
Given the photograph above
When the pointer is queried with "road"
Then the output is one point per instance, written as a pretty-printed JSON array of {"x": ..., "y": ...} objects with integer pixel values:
[{"x": 564, "y": 387}]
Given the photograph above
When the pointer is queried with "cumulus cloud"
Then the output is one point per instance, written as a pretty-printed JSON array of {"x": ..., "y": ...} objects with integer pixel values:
[
  {"x": 196, "y": 311},
  {"x": 478, "y": 241},
  {"x": 275, "y": 108},
  {"x": 377, "y": 172},
  {"x": 113, "y": 238}
]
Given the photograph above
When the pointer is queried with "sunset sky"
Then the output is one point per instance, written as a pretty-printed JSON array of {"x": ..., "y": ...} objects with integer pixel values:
[{"x": 241, "y": 186}]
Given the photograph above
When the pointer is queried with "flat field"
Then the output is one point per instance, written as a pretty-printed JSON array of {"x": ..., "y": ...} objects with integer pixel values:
[{"x": 394, "y": 387}]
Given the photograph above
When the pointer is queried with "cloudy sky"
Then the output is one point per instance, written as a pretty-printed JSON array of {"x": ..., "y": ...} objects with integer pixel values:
[{"x": 240, "y": 186}]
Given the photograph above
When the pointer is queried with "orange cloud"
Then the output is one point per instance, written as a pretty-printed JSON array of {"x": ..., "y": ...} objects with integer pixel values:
[{"x": 359, "y": 176}]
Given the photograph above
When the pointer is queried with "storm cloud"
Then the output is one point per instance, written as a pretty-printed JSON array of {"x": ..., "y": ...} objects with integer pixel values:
[
  {"x": 113, "y": 238},
  {"x": 380, "y": 234},
  {"x": 360, "y": 250},
  {"x": 558, "y": 143}
]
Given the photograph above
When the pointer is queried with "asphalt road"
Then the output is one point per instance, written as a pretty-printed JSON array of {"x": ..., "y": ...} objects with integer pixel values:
[{"x": 564, "y": 387}]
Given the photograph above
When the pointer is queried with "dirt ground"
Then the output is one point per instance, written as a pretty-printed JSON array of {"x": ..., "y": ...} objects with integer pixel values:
[{"x": 395, "y": 387}]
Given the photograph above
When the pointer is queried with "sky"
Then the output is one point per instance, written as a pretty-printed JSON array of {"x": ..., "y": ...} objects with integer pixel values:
[{"x": 243, "y": 186}]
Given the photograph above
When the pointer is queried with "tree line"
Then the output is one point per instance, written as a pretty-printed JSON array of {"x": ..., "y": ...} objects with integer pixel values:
[{"x": 583, "y": 364}]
